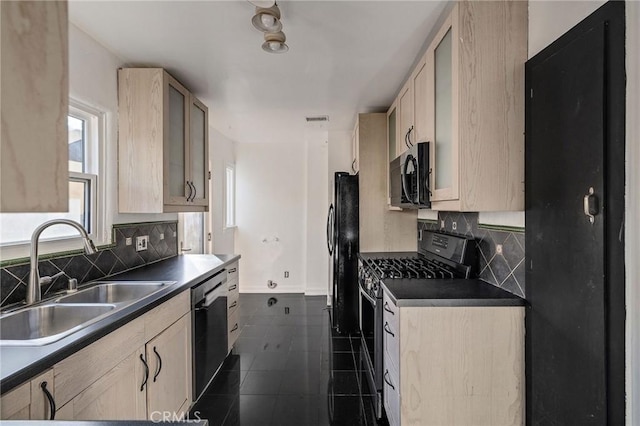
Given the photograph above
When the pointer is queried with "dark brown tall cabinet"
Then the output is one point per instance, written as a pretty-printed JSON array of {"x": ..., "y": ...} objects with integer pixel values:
[{"x": 575, "y": 109}]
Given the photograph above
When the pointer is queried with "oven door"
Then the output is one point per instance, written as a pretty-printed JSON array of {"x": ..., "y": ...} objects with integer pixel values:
[{"x": 371, "y": 347}]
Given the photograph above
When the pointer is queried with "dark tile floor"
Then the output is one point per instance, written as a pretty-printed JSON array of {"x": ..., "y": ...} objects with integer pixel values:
[{"x": 288, "y": 368}]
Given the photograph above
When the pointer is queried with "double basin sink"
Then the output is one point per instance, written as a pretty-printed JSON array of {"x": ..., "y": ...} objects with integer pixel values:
[{"x": 52, "y": 320}]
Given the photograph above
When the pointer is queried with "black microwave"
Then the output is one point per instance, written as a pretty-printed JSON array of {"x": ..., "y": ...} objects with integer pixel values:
[{"x": 409, "y": 178}]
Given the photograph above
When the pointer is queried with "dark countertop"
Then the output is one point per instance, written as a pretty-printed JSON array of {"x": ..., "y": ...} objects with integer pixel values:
[
  {"x": 194, "y": 422},
  {"x": 446, "y": 292},
  {"x": 21, "y": 363}
]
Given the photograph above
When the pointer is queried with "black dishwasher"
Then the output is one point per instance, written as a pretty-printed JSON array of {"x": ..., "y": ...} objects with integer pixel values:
[{"x": 209, "y": 316}]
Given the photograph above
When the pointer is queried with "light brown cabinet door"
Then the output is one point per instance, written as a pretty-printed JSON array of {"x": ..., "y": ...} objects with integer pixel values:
[
  {"x": 405, "y": 107},
  {"x": 199, "y": 152},
  {"x": 420, "y": 103},
  {"x": 28, "y": 401},
  {"x": 176, "y": 153},
  {"x": 34, "y": 170},
  {"x": 169, "y": 358},
  {"x": 118, "y": 395},
  {"x": 444, "y": 53}
]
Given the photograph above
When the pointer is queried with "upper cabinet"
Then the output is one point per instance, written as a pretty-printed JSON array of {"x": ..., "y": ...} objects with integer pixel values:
[
  {"x": 34, "y": 172},
  {"x": 163, "y": 144},
  {"x": 477, "y": 96},
  {"x": 466, "y": 97}
]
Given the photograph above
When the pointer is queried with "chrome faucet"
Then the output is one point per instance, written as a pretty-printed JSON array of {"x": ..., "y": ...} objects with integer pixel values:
[{"x": 33, "y": 288}]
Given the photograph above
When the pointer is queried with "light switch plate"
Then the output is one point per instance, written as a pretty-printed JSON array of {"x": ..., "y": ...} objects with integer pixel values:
[{"x": 128, "y": 241}]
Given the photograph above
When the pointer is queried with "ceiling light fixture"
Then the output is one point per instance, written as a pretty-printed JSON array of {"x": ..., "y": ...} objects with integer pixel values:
[
  {"x": 267, "y": 19},
  {"x": 275, "y": 42}
]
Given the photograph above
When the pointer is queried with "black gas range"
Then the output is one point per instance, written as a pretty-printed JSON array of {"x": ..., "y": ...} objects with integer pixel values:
[{"x": 439, "y": 257}]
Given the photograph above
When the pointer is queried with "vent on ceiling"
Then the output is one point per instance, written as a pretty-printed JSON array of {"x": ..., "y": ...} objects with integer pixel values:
[{"x": 317, "y": 118}]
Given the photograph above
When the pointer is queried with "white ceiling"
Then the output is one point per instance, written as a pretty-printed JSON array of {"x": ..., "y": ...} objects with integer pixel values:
[{"x": 345, "y": 56}]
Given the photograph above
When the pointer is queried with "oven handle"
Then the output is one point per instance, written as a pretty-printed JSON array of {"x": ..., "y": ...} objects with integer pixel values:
[{"x": 366, "y": 295}]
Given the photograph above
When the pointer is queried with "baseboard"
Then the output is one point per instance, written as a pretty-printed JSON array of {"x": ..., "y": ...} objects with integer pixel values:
[
  {"x": 267, "y": 290},
  {"x": 315, "y": 292}
]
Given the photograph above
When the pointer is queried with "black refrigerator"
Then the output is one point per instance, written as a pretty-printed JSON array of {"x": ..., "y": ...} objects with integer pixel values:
[{"x": 343, "y": 244}]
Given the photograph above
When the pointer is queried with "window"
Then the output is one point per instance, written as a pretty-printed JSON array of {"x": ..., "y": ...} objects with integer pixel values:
[
  {"x": 230, "y": 197},
  {"x": 85, "y": 135}
]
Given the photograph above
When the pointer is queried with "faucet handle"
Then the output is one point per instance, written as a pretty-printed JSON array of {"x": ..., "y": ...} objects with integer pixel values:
[{"x": 49, "y": 279}]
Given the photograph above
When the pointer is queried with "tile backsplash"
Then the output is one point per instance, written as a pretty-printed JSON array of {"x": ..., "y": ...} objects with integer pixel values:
[
  {"x": 500, "y": 250},
  {"x": 110, "y": 260}
]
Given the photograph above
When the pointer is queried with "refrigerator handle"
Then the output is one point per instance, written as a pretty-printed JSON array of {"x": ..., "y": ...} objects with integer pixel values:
[{"x": 330, "y": 216}]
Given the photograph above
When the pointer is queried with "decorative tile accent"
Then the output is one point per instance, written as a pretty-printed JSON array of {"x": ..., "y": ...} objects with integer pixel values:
[
  {"x": 110, "y": 260},
  {"x": 505, "y": 269}
]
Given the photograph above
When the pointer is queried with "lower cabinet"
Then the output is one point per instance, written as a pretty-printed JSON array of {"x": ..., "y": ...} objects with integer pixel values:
[
  {"x": 233, "y": 301},
  {"x": 118, "y": 395},
  {"x": 142, "y": 370},
  {"x": 29, "y": 401},
  {"x": 453, "y": 365},
  {"x": 169, "y": 358},
  {"x": 154, "y": 382}
]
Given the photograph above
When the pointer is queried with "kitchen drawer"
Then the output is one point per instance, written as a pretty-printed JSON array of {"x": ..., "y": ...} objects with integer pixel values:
[
  {"x": 232, "y": 302},
  {"x": 391, "y": 313},
  {"x": 233, "y": 327},
  {"x": 391, "y": 394},
  {"x": 233, "y": 285},
  {"x": 391, "y": 344},
  {"x": 232, "y": 272}
]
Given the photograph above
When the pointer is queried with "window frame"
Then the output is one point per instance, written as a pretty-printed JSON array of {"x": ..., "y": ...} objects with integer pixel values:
[
  {"x": 227, "y": 223},
  {"x": 95, "y": 162}
]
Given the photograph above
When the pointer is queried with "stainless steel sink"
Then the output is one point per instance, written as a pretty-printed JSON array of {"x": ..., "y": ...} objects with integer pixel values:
[
  {"x": 51, "y": 321},
  {"x": 113, "y": 292},
  {"x": 39, "y": 325}
]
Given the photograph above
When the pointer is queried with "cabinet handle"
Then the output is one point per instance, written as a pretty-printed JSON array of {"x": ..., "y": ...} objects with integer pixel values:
[
  {"x": 233, "y": 305},
  {"x": 235, "y": 327},
  {"x": 155, "y": 376},
  {"x": 52, "y": 402},
  {"x": 388, "y": 330},
  {"x": 231, "y": 271},
  {"x": 386, "y": 308},
  {"x": 190, "y": 191},
  {"x": 388, "y": 381},
  {"x": 233, "y": 287},
  {"x": 146, "y": 372},
  {"x": 406, "y": 135},
  {"x": 195, "y": 191},
  {"x": 409, "y": 136},
  {"x": 353, "y": 165}
]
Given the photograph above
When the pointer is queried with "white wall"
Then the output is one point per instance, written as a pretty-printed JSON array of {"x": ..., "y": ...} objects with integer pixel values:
[
  {"x": 317, "y": 257},
  {"x": 632, "y": 235},
  {"x": 93, "y": 80},
  {"x": 548, "y": 21},
  {"x": 271, "y": 215},
  {"x": 221, "y": 153}
]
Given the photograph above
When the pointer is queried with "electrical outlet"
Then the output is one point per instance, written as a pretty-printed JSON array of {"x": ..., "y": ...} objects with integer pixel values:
[
  {"x": 162, "y": 235},
  {"x": 142, "y": 242},
  {"x": 442, "y": 224},
  {"x": 420, "y": 235},
  {"x": 499, "y": 248},
  {"x": 128, "y": 241},
  {"x": 454, "y": 225},
  {"x": 286, "y": 274}
]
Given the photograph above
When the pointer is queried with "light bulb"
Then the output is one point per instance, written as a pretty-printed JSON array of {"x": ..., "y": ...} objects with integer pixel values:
[
  {"x": 267, "y": 20},
  {"x": 274, "y": 45}
]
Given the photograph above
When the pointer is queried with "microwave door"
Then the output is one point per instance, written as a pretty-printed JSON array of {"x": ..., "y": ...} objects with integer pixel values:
[{"x": 409, "y": 178}]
